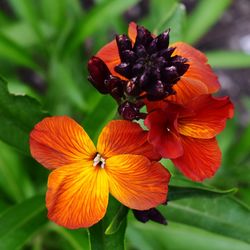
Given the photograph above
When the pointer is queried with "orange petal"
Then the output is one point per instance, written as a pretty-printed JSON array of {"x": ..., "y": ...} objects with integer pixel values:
[
  {"x": 209, "y": 117},
  {"x": 77, "y": 195},
  {"x": 136, "y": 182},
  {"x": 132, "y": 31},
  {"x": 201, "y": 158},
  {"x": 58, "y": 141},
  {"x": 199, "y": 73},
  {"x": 125, "y": 137},
  {"x": 110, "y": 55}
]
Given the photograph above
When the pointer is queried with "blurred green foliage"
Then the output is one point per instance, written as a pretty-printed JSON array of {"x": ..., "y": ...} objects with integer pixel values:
[{"x": 44, "y": 48}]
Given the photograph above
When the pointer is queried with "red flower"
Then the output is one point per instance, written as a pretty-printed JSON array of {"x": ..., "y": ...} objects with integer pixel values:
[
  {"x": 194, "y": 76},
  {"x": 186, "y": 134}
]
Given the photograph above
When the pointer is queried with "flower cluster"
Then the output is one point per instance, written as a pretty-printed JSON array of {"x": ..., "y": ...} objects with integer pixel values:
[{"x": 174, "y": 84}]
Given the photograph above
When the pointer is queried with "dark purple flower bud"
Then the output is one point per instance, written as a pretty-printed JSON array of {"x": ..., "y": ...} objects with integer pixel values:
[
  {"x": 138, "y": 68},
  {"x": 166, "y": 53},
  {"x": 115, "y": 87},
  {"x": 130, "y": 111},
  {"x": 150, "y": 214},
  {"x": 123, "y": 43},
  {"x": 143, "y": 37},
  {"x": 170, "y": 74},
  {"x": 163, "y": 40},
  {"x": 178, "y": 59},
  {"x": 181, "y": 68},
  {"x": 124, "y": 69},
  {"x": 132, "y": 88},
  {"x": 141, "y": 51},
  {"x": 145, "y": 80},
  {"x": 99, "y": 72},
  {"x": 128, "y": 56},
  {"x": 152, "y": 48},
  {"x": 157, "y": 91}
]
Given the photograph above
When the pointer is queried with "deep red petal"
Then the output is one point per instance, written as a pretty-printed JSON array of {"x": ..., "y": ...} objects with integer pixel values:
[
  {"x": 163, "y": 134},
  {"x": 201, "y": 158}
]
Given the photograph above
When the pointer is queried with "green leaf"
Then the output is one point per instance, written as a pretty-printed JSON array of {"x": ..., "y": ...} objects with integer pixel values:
[
  {"x": 205, "y": 15},
  {"x": 180, "y": 188},
  {"x": 14, "y": 181},
  {"x": 228, "y": 59},
  {"x": 101, "y": 241},
  {"x": 102, "y": 14},
  {"x": 18, "y": 115},
  {"x": 78, "y": 239},
  {"x": 16, "y": 54},
  {"x": 21, "y": 221},
  {"x": 116, "y": 222},
  {"x": 176, "y": 236},
  {"x": 54, "y": 11},
  {"x": 159, "y": 13},
  {"x": 27, "y": 11},
  {"x": 175, "y": 22},
  {"x": 219, "y": 214},
  {"x": 104, "y": 111}
]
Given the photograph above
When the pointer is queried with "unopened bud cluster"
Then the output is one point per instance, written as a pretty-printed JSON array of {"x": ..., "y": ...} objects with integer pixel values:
[{"x": 147, "y": 68}]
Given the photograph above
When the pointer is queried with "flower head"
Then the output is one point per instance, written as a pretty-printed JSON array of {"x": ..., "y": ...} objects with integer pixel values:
[
  {"x": 145, "y": 66},
  {"x": 122, "y": 163},
  {"x": 186, "y": 133}
]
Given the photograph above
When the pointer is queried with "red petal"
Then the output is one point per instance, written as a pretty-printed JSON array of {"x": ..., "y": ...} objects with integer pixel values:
[
  {"x": 163, "y": 134},
  {"x": 209, "y": 117},
  {"x": 201, "y": 158},
  {"x": 198, "y": 74}
]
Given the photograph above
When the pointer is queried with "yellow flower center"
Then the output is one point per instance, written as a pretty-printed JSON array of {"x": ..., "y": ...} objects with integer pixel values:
[{"x": 99, "y": 160}]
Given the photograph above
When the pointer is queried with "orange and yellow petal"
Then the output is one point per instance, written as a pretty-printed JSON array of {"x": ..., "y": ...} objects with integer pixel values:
[
  {"x": 125, "y": 137},
  {"x": 77, "y": 195},
  {"x": 209, "y": 117},
  {"x": 58, "y": 141},
  {"x": 201, "y": 158},
  {"x": 199, "y": 78},
  {"x": 136, "y": 182}
]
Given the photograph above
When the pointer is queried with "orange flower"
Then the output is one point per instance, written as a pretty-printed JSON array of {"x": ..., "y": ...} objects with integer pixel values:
[
  {"x": 83, "y": 175},
  {"x": 186, "y": 134},
  {"x": 184, "y": 75}
]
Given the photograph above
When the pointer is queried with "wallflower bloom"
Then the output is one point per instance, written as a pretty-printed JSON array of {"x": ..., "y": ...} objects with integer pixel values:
[
  {"x": 144, "y": 65},
  {"x": 123, "y": 163},
  {"x": 186, "y": 133}
]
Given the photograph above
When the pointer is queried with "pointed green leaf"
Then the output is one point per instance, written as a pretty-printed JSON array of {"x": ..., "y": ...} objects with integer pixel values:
[
  {"x": 219, "y": 214},
  {"x": 100, "y": 15},
  {"x": 20, "y": 222},
  {"x": 18, "y": 115},
  {"x": 11, "y": 51},
  {"x": 176, "y": 236},
  {"x": 228, "y": 59},
  {"x": 116, "y": 222},
  {"x": 180, "y": 188},
  {"x": 101, "y": 241}
]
